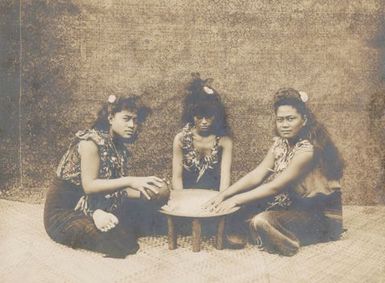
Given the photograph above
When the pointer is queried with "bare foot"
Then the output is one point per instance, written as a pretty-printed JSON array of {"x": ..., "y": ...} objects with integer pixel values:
[
  {"x": 235, "y": 241},
  {"x": 104, "y": 221}
]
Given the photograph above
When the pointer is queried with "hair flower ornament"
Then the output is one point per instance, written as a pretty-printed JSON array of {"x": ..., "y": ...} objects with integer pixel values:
[
  {"x": 111, "y": 98},
  {"x": 303, "y": 95},
  {"x": 208, "y": 90}
]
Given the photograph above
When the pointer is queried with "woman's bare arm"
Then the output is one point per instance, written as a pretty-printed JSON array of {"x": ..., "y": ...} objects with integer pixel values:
[
  {"x": 91, "y": 182},
  {"x": 299, "y": 164},
  {"x": 177, "y": 163},
  {"x": 249, "y": 181},
  {"x": 227, "y": 148},
  {"x": 253, "y": 178}
]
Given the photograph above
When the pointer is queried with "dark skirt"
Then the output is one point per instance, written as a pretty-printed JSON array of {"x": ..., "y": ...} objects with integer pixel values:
[
  {"x": 284, "y": 230},
  {"x": 210, "y": 180},
  {"x": 77, "y": 230}
]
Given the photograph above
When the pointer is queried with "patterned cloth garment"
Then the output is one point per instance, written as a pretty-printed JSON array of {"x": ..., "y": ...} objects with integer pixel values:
[
  {"x": 308, "y": 211},
  {"x": 191, "y": 158},
  {"x": 113, "y": 164},
  {"x": 282, "y": 157},
  {"x": 201, "y": 169}
]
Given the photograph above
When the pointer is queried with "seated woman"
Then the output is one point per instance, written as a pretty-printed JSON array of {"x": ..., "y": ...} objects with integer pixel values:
[
  {"x": 297, "y": 185},
  {"x": 202, "y": 150},
  {"x": 94, "y": 204}
]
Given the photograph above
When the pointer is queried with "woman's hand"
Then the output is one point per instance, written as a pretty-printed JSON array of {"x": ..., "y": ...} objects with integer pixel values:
[
  {"x": 227, "y": 205},
  {"x": 104, "y": 221},
  {"x": 162, "y": 195},
  {"x": 213, "y": 203},
  {"x": 148, "y": 186}
]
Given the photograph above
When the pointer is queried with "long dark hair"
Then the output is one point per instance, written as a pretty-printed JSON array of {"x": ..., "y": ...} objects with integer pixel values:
[
  {"x": 204, "y": 101},
  {"x": 326, "y": 153},
  {"x": 117, "y": 104}
]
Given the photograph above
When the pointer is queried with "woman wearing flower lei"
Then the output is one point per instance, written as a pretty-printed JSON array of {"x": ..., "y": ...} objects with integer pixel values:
[
  {"x": 293, "y": 196},
  {"x": 202, "y": 150},
  {"x": 94, "y": 203}
]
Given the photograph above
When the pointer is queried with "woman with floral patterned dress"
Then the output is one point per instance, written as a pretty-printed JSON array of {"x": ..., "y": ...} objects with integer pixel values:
[
  {"x": 202, "y": 150},
  {"x": 293, "y": 197},
  {"x": 93, "y": 203}
]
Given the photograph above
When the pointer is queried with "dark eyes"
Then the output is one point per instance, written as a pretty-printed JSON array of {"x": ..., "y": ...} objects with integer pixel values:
[
  {"x": 126, "y": 119},
  {"x": 201, "y": 117},
  {"x": 290, "y": 119}
]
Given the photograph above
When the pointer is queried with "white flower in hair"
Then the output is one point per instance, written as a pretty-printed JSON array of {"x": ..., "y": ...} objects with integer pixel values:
[
  {"x": 111, "y": 98},
  {"x": 304, "y": 96},
  {"x": 208, "y": 90}
]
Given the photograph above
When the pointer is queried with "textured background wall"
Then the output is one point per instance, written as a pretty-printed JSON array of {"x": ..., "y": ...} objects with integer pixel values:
[{"x": 75, "y": 53}]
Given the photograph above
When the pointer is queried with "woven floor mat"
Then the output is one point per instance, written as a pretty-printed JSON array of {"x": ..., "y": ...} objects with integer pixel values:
[{"x": 28, "y": 255}]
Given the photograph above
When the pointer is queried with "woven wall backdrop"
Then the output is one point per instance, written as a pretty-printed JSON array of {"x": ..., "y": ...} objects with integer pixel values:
[{"x": 73, "y": 54}]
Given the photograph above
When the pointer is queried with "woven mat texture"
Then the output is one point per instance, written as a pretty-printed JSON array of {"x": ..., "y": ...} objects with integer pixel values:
[{"x": 28, "y": 255}]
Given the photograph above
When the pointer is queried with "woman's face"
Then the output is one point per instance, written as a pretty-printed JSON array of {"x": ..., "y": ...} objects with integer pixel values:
[
  {"x": 289, "y": 122},
  {"x": 203, "y": 124},
  {"x": 123, "y": 124}
]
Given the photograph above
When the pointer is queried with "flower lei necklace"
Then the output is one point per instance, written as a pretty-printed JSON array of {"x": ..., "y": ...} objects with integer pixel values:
[
  {"x": 284, "y": 154},
  {"x": 117, "y": 159},
  {"x": 192, "y": 160}
]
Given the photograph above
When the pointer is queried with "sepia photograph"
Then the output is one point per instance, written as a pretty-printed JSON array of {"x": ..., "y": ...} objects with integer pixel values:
[{"x": 192, "y": 141}]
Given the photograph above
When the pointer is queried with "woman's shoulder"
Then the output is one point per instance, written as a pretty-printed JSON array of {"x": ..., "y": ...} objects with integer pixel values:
[
  {"x": 304, "y": 146},
  {"x": 183, "y": 136},
  {"x": 184, "y": 131},
  {"x": 279, "y": 142},
  {"x": 87, "y": 146},
  {"x": 281, "y": 147},
  {"x": 84, "y": 142},
  {"x": 178, "y": 138},
  {"x": 96, "y": 136},
  {"x": 225, "y": 141}
]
